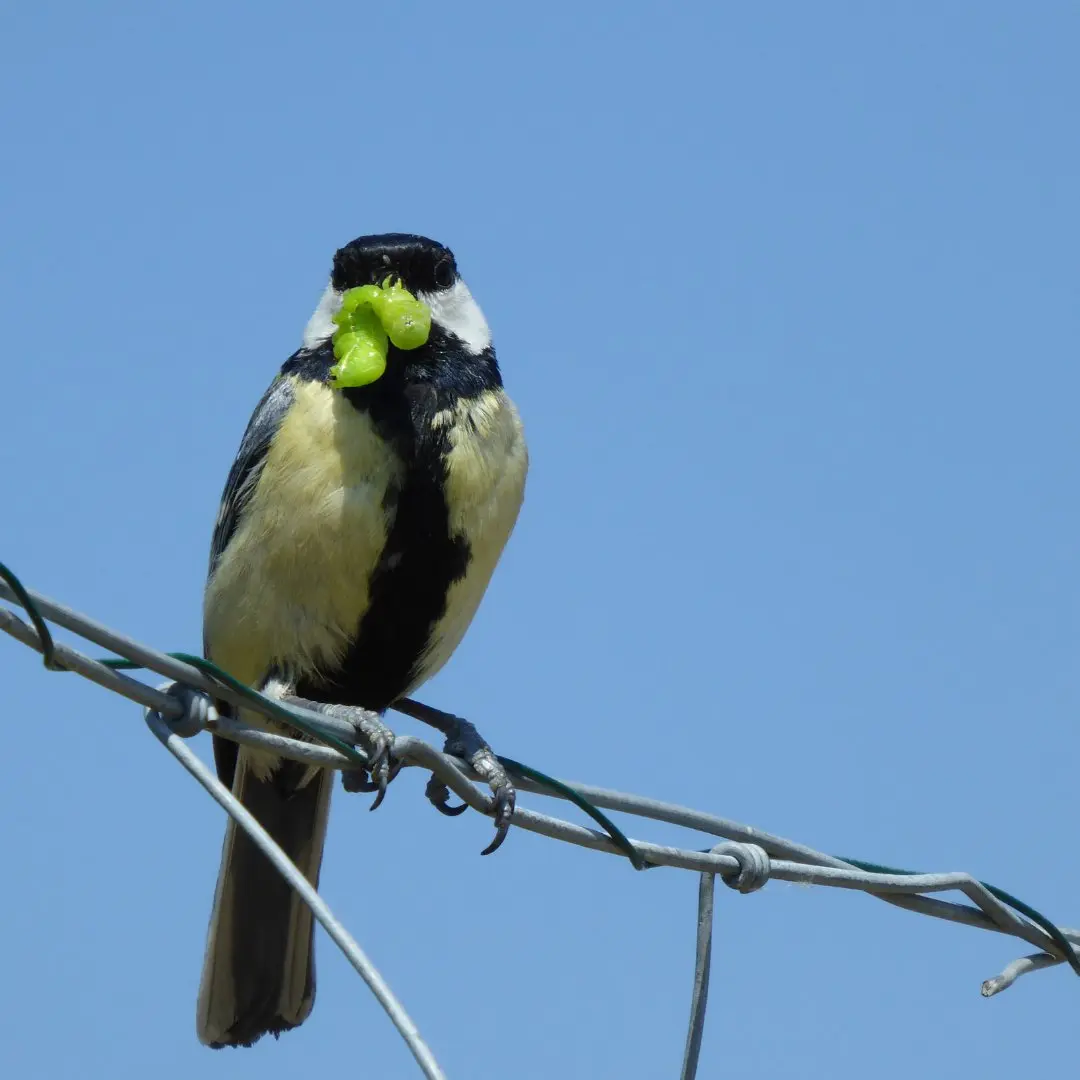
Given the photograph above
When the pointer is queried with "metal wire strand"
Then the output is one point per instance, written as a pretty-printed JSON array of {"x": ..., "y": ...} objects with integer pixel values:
[{"x": 699, "y": 998}]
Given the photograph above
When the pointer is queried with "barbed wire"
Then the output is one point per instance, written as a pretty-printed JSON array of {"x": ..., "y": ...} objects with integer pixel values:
[{"x": 745, "y": 860}]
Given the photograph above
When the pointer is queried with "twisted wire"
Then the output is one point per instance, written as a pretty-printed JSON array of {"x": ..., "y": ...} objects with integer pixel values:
[{"x": 746, "y": 859}]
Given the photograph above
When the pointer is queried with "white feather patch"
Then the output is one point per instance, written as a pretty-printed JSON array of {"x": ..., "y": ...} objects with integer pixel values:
[
  {"x": 456, "y": 311},
  {"x": 321, "y": 325}
]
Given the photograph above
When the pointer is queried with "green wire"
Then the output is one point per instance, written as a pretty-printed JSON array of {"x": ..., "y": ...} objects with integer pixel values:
[
  {"x": 48, "y": 646},
  {"x": 613, "y": 831},
  {"x": 283, "y": 712}
]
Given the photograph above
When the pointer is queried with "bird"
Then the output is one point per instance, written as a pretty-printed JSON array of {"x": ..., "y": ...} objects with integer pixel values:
[{"x": 356, "y": 536}]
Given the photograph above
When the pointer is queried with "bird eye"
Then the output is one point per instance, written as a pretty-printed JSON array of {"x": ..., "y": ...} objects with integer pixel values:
[{"x": 444, "y": 273}]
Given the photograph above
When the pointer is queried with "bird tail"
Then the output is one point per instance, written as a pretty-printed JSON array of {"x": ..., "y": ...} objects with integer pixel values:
[{"x": 259, "y": 973}]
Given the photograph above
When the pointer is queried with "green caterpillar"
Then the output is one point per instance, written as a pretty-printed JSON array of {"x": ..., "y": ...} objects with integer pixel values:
[{"x": 370, "y": 317}]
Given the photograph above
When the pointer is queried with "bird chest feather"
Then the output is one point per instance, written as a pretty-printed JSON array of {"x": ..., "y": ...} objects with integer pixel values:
[
  {"x": 297, "y": 582},
  {"x": 484, "y": 487}
]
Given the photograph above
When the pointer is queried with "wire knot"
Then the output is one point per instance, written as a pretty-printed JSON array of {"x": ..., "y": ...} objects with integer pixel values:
[
  {"x": 198, "y": 710},
  {"x": 754, "y": 866}
]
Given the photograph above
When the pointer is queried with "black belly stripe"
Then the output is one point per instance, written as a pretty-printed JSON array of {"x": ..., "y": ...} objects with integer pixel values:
[
  {"x": 419, "y": 563},
  {"x": 408, "y": 596}
]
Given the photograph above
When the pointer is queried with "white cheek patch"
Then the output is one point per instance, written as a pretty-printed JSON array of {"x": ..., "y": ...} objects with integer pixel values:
[
  {"x": 321, "y": 325},
  {"x": 456, "y": 311}
]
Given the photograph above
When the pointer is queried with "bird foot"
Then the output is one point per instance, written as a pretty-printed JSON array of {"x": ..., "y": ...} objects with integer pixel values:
[
  {"x": 464, "y": 741},
  {"x": 376, "y": 740}
]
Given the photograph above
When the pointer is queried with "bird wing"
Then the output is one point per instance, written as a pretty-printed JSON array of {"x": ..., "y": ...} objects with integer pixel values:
[
  {"x": 243, "y": 476},
  {"x": 250, "y": 458}
]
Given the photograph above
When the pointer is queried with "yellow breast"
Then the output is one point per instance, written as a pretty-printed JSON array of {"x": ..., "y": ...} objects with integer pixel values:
[
  {"x": 295, "y": 583},
  {"x": 485, "y": 486}
]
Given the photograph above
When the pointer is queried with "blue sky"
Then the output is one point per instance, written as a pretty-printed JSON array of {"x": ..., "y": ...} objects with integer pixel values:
[{"x": 787, "y": 298}]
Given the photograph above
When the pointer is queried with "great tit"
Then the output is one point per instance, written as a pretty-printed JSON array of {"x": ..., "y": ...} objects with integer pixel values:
[{"x": 357, "y": 534}]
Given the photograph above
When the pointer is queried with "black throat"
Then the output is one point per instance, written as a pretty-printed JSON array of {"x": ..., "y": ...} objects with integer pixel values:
[{"x": 421, "y": 558}]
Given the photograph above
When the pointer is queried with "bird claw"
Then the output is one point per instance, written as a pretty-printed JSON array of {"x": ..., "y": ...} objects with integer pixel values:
[
  {"x": 381, "y": 785},
  {"x": 355, "y": 781},
  {"x": 366, "y": 781},
  {"x": 377, "y": 741},
  {"x": 438, "y": 794},
  {"x": 503, "y": 799},
  {"x": 464, "y": 741}
]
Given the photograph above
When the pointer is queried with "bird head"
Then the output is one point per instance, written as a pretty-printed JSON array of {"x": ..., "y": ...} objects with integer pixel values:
[{"x": 425, "y": 269}]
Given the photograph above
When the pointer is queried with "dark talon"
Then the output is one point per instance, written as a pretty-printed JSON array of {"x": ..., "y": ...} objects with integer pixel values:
[
  {"x": 381, "y": 786},
  {"x": 366, "y": 781},
  {"x": 387, "y": 769},
  {"x": 500, "y": 835},
  {"x": 502, "y": 807},
  {"x": 438, "y": 794},
  {"x": 356, "y": 780}
]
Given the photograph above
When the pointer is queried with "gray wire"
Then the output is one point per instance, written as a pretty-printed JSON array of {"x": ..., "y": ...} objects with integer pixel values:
[
  {"x": 341, "y": 937},
  {"x": 104, "y": 676},
  {"x": 127, "y": 647},
  {"x": 153, "y": 660},
  {"x": 894, "y": 887},
  {"x": 792, "y": 861},
  {"x": 1014, "y": 971},
  {"x": 702, "y": 967},
  {"x": 683, "y": 816}
]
